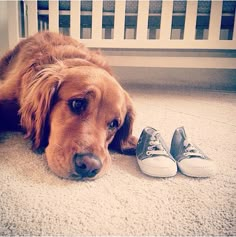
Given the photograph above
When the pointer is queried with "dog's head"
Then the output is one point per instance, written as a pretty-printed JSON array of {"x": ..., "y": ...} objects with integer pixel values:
[{"x": 77, "y": 113}]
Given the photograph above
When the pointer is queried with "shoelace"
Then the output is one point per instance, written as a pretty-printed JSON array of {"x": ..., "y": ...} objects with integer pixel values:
[
  {"x": 155, "y": 147},
  {"x": 191, "y": 150}
]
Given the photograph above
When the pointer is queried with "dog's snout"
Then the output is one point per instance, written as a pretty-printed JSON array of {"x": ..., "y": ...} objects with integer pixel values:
[{"x": 87, "y": 165}]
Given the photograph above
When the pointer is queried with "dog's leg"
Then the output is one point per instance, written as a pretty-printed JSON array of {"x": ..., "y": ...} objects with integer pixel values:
[
  {"x": 8, "y": 78},
  {"x": 9, "y": 118}
]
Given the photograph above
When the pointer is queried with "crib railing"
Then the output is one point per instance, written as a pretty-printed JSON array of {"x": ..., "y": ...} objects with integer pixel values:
[{"x": 139, "y": 24}]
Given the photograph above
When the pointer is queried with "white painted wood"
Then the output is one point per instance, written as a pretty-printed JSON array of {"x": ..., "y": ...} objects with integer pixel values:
[
  {"x": 53, "y": 16},
  {"x": 173, "y": 62},
  {"x": 119, "y": 42},
  {"x": 119, "y": 21},
  {"x": 166, "y": 19},
  {"x": 190, "y": 20},
  {"x": 160, "y": 44},
  {"x": 13, "y": 23},
  {"x": 142, "y": 22},
  {"x": 32, "y": 17},
  {"x": 215, "y": 20},
  {"x": 75, "y": 19},
  {"x": 97, "y": 19}
]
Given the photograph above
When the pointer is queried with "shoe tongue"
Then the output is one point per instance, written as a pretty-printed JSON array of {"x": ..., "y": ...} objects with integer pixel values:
[
  {"x": 156, "y": 135},
  {"x": 158, "y": 145},
  {"x": 187, "y": 143}
]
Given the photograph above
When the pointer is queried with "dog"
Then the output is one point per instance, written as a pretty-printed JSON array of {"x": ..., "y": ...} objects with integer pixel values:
[{"x": 66, "y": 99}]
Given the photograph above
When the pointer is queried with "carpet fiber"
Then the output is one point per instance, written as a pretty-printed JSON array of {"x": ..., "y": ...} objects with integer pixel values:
[{"x": 33, "y": 201}]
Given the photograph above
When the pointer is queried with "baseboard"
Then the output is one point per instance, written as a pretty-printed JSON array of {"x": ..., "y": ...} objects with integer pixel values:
[{"x": 209, "y": 79}]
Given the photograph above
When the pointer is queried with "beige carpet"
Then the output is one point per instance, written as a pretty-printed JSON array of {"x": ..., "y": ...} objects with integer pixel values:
[{"x": 126, "y": 202}]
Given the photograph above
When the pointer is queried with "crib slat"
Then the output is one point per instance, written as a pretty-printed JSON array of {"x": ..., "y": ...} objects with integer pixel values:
[
  {"x": 190, "y": 20},
  {"x": 75, "y": 19},
  {"x": 142, "y": 24},
  {"x": 13, "y": 30},
  {"x": 166, "y": 19},
  {"x": 215, "y": 20},
  {"x": 97, "y": 20},
  {"x": 119, "y": 21},
  {"x": 53, "y": 16},
  {"x": 32, "y": 15}
]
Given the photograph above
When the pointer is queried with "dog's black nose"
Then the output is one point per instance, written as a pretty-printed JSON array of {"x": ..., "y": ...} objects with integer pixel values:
[{"x": 87, "y": 165}]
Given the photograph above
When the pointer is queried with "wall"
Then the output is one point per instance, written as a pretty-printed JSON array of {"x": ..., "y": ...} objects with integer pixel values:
[
  {"x": 214, "y": 75},
  {"x": 3, "y": 27}
]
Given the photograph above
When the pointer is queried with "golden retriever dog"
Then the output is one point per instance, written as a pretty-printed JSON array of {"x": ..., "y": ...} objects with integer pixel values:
[{"x": 67, "y": 101}]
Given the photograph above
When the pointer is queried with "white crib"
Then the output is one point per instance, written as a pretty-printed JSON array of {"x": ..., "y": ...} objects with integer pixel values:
[{"x": 138, "y": 33}]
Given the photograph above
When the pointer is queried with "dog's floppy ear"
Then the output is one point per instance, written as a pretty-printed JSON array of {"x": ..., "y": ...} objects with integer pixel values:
[
  {"x": 37, "y": 105},
  {"x": 124, "y": 141}
]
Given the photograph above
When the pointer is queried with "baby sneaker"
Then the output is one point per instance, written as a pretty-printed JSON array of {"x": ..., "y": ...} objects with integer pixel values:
[
  {"x": 153, "y": 156},
  {"x": 190, "y": 159}
]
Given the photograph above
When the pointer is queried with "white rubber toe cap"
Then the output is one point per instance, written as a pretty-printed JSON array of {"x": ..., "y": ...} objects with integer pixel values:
[
  {"x": 197, "y": 167},
  {"x": 160, "y": 166}
]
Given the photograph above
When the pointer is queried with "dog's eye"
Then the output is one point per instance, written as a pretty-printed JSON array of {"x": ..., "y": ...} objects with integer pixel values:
[
  {"x": 113, "y": 124},
  {"x": 78, "y": 105}
]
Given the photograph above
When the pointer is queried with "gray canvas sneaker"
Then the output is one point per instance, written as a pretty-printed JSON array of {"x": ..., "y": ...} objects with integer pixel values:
[
  {"x": 153, "y": 156},
  {"x": 190, "y": 159}
]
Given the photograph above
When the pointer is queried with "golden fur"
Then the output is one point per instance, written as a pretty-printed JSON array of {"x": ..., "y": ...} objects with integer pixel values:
[{"x": 42, "y": 75}]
